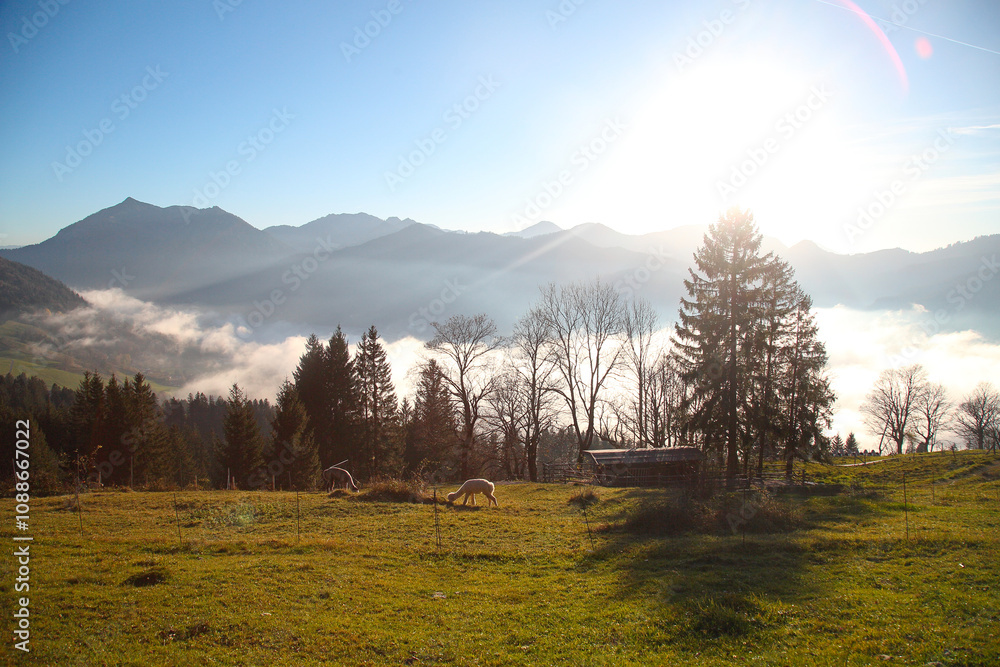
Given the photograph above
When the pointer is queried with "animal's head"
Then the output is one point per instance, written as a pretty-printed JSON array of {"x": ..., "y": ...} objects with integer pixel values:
[{"x": 452, "y": 496}]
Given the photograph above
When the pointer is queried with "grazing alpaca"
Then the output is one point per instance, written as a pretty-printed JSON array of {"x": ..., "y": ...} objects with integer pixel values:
[
  {"x": 333, "y": 476},
  {"x": 471, "y": 488}
]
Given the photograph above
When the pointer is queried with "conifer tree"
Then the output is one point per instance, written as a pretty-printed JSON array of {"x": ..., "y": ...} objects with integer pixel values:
[
  {"x": 379, "y": 426},
  {"x": 715, "y": 335},
  {"x": 312, "y": 390},
  {"x": 343, "y": 406},
  {"x": 433, "y": 438},
  {"x": 293, "y": 441},
  {"x": 242, "y": 451}
]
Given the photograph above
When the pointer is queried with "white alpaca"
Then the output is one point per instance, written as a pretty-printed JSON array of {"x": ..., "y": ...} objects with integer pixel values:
[
  {"x": 333, "y": 476},
  {"x": 471, "y": 488}
]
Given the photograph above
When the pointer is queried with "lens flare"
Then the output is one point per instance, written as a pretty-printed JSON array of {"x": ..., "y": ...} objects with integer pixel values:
[
  {"x": 886, "y": 44},
  {"x": 924, "y": 48}
]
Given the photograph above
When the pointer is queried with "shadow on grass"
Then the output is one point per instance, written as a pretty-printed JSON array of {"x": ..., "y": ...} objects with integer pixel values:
[{"x": 729, "y": 566}]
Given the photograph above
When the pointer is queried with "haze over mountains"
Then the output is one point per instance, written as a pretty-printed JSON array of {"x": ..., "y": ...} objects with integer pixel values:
[{"x": 356, "y": 269}]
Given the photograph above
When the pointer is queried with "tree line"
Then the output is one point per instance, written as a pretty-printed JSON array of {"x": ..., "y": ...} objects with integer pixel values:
[
  {"x": 741, "y": 376},
  {"x": 905, "y": 408}
]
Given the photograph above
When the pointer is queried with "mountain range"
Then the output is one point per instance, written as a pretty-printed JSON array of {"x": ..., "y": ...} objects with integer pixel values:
[{"x": 357, "y": 269}]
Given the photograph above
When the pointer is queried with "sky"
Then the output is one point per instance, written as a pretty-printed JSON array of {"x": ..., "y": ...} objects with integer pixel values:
[{"x": 857, "y": 126}]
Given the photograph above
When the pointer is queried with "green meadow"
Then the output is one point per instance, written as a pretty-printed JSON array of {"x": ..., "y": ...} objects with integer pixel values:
[{"x": 840, "y": 574}]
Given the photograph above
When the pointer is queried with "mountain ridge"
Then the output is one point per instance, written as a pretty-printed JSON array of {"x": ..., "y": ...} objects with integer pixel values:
[{"x": 357, "y": 269}]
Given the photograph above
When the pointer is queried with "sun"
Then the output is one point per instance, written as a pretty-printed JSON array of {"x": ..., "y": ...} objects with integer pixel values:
[{"x": 752, "y": 133}]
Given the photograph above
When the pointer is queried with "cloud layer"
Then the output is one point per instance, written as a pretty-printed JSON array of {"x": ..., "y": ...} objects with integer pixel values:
[{"x": 202, "y": 353}]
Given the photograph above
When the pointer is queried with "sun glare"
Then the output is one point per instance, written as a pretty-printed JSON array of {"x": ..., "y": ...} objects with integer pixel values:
[{"x": 753, "y": 134}]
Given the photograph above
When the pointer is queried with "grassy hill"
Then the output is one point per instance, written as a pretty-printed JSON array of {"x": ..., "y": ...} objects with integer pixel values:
[
  {"x": 787, "y": 579},
  {"x": 18, "y": 354},
  {"x": 23, "y": 288}
]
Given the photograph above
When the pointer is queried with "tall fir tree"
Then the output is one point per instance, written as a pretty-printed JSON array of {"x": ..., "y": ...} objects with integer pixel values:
[
  {"x": 311, "y": 387},
  {"x": 88, "y": 420},
  {"x": 433, "y": 440},
  {"x": 294, "y": 445},
  {"x": 379, "y": 423},
  {"x": 242, "y": 451},
  {"x": 714, "y": 338},
  {"x": 806, "y": 389},
  {"x": 344, "y": 405}
]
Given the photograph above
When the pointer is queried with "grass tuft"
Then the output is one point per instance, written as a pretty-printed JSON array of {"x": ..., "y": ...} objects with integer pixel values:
[
  {"x": 728, "y": 615},
  {"x": 395, "y": 491},
  {"x": 584, "y": 498},
  {"x": 150, "y": 577}
]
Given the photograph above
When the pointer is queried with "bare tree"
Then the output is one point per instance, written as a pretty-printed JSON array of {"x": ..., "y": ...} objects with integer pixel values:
[
  {"x": 532, "y": 360},
  {"x": 890, "y": 405},
  {"x": 639, "y": 322},
  {"x": 508, "y": 415},
  {"x": 978, "y": 419},
  {"x": 668, "y": 394},
  {"x": 466, "y": 344},
  {"x": 932, "y": 413},
  {"x": 584, "y": 322}
]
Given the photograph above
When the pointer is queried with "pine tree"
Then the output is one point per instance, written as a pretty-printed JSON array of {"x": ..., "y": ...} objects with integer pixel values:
[
  {"x": 343, "y": 402},
  {"x": 312, "y": 390},
  {"x": 851, "y": 444},
  {"x": 242, "y": 451},
  {"x": 294, "y": 445},
  {"x": 433, "y": 440},
  {"x": 715, "y": 336},
  {"x": 809, "y": 399},
  {"x": 379, "y": 427},
  {"x": 153, "y": 459},
  {"x": 88, "y": 418}
]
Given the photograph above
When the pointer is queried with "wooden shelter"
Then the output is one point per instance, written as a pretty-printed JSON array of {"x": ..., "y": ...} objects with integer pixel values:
[{"x": 645, "y": 467}]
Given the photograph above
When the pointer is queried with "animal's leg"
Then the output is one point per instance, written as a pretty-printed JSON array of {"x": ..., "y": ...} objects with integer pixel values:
[
  {"x": 492, "y": 499},
  {"x": 473, "y": 500}
]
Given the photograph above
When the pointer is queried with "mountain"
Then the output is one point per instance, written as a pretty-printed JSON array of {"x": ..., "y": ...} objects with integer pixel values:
[
  {"x": 153, "y": 252},
  {"x": 24, "y": 289},
  {"x": 537, "y": 229},
  {"x": 339, "y": 230},
  {"x": 354, "y": 270}
]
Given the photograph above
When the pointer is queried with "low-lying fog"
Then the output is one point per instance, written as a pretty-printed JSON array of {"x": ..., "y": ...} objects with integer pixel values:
[{"x": 200, "y": 352}]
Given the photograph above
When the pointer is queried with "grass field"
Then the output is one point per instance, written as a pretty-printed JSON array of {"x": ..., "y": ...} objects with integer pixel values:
[{"x": 792, "y": 579}]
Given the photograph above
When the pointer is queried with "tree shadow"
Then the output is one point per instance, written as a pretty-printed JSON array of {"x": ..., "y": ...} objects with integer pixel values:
[{"x": 733, "y": 565}]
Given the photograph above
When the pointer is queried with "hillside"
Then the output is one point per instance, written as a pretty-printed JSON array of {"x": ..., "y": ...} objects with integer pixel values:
[{"x": 23, "y": 289}]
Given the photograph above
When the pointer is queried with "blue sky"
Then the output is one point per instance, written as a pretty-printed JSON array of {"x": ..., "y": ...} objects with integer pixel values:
[{"x": 495, "y": 115}]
